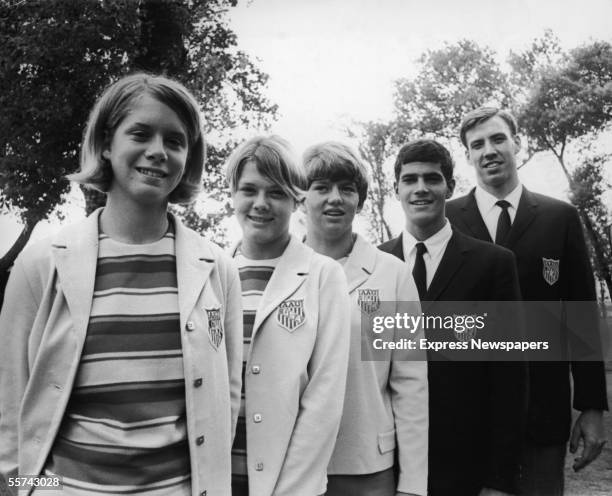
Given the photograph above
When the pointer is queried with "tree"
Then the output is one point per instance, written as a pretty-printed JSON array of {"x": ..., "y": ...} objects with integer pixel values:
[
  {"x": 375, "y": 146},
  {"x": 589, "y": 185},
  {"x": 57, "y": 55},
  {"x": 450, "y": 82}
]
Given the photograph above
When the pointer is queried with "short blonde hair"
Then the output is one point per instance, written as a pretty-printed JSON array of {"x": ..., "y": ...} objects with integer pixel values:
[
  {"x": 274, "y": 159},
  {"x": 110, "y": 110},
  {"x": 336, "y": 161}
]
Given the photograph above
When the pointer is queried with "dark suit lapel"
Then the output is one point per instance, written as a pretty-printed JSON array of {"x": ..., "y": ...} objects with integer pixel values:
[
  {"x": 473, "y": 220},
  {"x": 453, "y": 258},
  {"x": 525, "y": 213}
]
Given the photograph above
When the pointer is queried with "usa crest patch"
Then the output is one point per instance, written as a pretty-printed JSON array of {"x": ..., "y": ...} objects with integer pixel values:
[
  {"x": 368, "y": 300},
  {"x": 215, "y": 329},
  {"x": 550, "y": 270},
  {"x": 290, "y": 314}
]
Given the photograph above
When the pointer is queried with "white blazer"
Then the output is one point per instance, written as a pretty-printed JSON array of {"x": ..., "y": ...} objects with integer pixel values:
[
  {"x": 43, "y": 326},
  {"x": 296, "y": 374},
  {"x": 386, "y": 403}
]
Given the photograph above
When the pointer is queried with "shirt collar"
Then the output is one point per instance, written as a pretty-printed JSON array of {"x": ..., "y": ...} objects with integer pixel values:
[
  {"x": 486, "y": 201},
  {"x": 434, "y": 244}
]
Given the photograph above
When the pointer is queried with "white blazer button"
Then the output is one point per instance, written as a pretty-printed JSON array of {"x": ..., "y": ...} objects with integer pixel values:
[
  {"x": 259, "y": 466},
  {"x": 190, "y": 326},
  {"x": 257, "y": 417},
  {"x": 256, "y": 369}
]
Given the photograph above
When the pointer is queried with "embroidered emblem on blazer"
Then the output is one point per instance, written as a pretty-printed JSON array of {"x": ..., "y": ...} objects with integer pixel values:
[
  {"x": 368, "y": 300},
  {"x": 550, "y": 270},
  {"x": 215, "y": 329},
  {"x": 290, "y": 314}
]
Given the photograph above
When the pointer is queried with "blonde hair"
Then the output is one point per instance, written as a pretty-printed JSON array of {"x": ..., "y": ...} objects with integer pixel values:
[
  {"x": 274, "y": 159},
  {"x": 110, "y": 110}
]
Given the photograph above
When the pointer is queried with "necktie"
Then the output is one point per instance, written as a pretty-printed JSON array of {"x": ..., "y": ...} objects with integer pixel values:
[
  {"x": 503, "y": 223},
  {"x": 418, "y": 272}
]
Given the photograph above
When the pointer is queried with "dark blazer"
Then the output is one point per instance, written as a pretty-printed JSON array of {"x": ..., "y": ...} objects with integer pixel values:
[
  {"x": 477, "y": 409},
  {"x": 545, "y": 228}
]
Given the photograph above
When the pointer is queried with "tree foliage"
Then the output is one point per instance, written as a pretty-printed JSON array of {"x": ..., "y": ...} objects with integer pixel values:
[{"x": 57, "y": 55}]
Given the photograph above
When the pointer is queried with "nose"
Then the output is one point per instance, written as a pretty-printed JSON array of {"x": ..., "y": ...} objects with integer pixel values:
[
  {"x": 421, "y": 185},
  {"x": 334, "y": 195},
  {"x": 489, "y": 149},
  {"x": 156, "y": 149},
  {"x": 260, "y": 202}
]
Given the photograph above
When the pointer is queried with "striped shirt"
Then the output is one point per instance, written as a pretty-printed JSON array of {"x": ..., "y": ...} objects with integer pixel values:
[
  {"x": 254, "y": 277},
  {"x": 124, "y": 428}
]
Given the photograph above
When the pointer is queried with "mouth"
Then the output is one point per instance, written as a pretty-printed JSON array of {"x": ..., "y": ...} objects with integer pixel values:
[
  {"x": 492, "y": 165},
  {"x": 258, "y": 219},
  {"x": 419, "y": 203},
  {"x": 334, "y": 213},
  {"x": 151, "y": 172}
]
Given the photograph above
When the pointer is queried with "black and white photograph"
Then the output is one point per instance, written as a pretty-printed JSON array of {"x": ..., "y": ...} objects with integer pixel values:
[{"x": 305, "y": 248}]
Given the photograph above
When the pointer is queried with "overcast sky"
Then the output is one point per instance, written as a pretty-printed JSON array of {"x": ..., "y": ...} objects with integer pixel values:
[{"x": 334, "y": 61}]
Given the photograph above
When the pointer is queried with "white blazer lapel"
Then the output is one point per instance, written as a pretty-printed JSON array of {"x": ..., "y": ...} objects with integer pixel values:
[
  {"x": 288, "y": 276},
  {"x": 75, "y": 252},
  {"x": 360, "y": 263},
  {"x": 194, "y": 263}
]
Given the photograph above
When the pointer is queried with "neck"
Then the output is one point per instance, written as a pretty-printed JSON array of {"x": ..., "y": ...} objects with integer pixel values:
[
  {"x": 333, "y": 247},
  {"x": 423, "y": 233},
  {"x": 134, "y": 224},
  {"x": 502, "y": 190},
  {"x": 264, "y": 251}
]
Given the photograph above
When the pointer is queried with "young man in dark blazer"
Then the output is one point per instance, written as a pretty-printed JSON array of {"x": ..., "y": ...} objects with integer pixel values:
[
  {"x": 477, "y": 409},
  {"x": 546, "y": 236}
]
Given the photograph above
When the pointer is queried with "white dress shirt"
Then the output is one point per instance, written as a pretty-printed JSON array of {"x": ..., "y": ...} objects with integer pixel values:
[
  {"x": 489, "y": 211},
  {"x": 436, "y": 246}
]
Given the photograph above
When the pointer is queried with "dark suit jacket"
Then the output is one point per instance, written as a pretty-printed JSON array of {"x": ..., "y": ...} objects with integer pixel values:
[
  {"x": 545, "y": 228},
  {"x": 477, "y": 409}
]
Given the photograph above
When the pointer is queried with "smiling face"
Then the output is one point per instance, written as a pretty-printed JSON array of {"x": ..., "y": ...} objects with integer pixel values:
[
  {"x": 423, "y": 191},
  {"x": 331, "y": 206},
  {"x": 263, "y": 210},
  {"x": 492, "y": 149},
  {"x": 147, "y": 153}
]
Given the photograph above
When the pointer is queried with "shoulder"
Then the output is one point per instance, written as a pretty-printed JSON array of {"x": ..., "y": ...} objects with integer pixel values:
[
  {"x": 387, "y": 246},
  {"x": 550, "y": 205},
  {"x": 485, "y": 250}
]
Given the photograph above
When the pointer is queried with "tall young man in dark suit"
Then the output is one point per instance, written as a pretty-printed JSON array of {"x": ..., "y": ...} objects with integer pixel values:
[
  {"x": 546, "y": 236},
  {"x": 477, "y": 409}
]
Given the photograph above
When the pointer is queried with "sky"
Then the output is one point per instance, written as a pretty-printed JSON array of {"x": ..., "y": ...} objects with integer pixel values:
[{"x": 333, "y": 62}]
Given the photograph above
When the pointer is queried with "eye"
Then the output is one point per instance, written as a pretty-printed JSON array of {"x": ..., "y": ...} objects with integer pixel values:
[
  {"x": 349, "y": 188},
  {"x": 278, "y": 194},
  {"x": 320, "y": 187},
  {"x": 246, "y": 190},
  {"x": 139, "y": 135},
  {"x": 175, "y": 143}
]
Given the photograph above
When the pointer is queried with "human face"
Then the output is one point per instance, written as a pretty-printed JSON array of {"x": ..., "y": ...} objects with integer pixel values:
[
  {"x": 331, "y": 206},
  {"x": 148, "y": 152},
  {"x": 423, "y": 191},
  {"x": 263, "y": 210},
  {"x": 492, "y": 149}
]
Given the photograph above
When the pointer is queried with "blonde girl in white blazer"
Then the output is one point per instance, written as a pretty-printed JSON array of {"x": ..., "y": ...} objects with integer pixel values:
[
  {"x": 296, "y": 334},
  {"x": 385, "y": 417},
  {"x": 121, "y": 336}
]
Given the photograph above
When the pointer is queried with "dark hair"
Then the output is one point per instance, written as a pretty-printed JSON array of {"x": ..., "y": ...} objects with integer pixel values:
[
  {"x": 336, "y": 161},
  {"x": 112, "y": 107},
  {"x": 425, "y": 150},
  {"x": 481, "y": 114}
]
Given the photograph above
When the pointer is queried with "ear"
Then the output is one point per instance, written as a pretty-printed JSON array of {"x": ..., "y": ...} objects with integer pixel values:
[
  {"x": 467, "y": 155},
  {"x": 106, "y": 153},
  {"x": 396, "y": 190},
  {"x": 517, "y": 143},
  {"x": 450, "y": 188}
]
